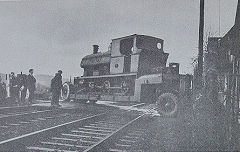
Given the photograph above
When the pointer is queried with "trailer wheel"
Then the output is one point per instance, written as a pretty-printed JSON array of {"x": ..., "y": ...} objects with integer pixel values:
[
  {"x": 65, "y": 92},
  {"x": 167, "y": 104},
  {"x": 124, "y": 87}
]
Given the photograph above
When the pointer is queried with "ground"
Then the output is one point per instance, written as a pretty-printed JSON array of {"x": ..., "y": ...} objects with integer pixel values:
[{"x": 190, "y": 130}]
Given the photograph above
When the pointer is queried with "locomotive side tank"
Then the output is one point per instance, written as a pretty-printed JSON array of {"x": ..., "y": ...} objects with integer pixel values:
[{"x": 133, "y": 69}]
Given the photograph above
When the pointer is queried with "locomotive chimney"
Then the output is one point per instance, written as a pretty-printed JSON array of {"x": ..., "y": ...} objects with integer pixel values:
[{"x": 95, "y": 49}]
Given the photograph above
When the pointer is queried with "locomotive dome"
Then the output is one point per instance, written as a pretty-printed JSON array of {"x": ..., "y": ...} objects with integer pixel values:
[{"x": 94, "y": 59}]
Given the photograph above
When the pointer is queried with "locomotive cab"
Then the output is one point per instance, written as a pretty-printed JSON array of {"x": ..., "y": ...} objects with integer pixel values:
[{"x": 130, "y": 54}]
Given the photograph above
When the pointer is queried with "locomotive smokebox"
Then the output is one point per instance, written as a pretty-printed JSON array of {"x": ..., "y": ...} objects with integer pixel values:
[{"x": 95, "y": 49}]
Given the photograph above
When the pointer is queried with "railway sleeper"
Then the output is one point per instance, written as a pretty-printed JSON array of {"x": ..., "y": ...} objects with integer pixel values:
[
  {"x": 84, "y": 140},
  {"x": 58, "y": 144},
  {"x": 103, "y": 126},
  {"x": 100, "y": 128},
  {"x": 125, "y": 143},
  {"x": 42, "y": 149},
  {"x": 83, "y": 136},
  {"x": 61, "y": 147},
  {"x": 94, "y": 135},
  {"x": 91, "y": 133},
  {"x": 71, "y": 142},
  {"x": 94, "y": 130},
  {"x": 115, "y": 150}
]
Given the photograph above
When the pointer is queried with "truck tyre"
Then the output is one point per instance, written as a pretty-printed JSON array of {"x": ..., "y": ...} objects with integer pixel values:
[{"x": 167, "y": 104}]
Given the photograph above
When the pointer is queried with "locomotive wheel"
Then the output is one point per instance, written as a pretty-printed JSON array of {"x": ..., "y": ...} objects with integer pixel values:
[
  {"x": 65, "y": 92},
  {"x": 167, "y": 104},
  {"x": 91, "y": 85},
  {"x": 124, "y": 87},
  {"x": 107, "y": 84}
]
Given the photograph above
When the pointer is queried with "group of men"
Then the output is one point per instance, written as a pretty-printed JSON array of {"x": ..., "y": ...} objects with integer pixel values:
[
  {"x": 18, "y": 87},
  {"x": 20, "y": 84}
]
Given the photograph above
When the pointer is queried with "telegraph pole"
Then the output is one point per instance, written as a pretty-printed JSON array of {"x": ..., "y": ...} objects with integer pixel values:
[
  {"x": 200, "y": 46},
  {"x": 237, "y": 19}
]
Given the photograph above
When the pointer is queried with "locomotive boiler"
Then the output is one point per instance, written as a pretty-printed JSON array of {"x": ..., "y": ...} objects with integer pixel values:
[{"x": 133, "y": 69}]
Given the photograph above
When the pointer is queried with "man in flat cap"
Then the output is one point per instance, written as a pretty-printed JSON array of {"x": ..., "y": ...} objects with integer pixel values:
[
  {"x": 56, "y": 87},
  {"x": 31, "y": 85},
  {"x": 13, "y": 87}
]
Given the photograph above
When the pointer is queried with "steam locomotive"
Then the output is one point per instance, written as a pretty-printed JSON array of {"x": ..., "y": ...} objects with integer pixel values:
[{"x": 133, "y": 69}]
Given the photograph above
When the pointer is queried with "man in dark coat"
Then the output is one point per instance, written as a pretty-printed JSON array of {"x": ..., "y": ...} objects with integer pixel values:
[
  {"x": 56, "y": 87},
  {"x": 31, "y": 85},
  {"x": 3, "y": 91},
  {"x": 23, "y": 78},
  {"x": 13, "y": 87}
]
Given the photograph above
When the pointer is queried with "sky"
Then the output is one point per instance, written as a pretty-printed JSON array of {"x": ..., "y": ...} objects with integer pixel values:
[{"x": 49, "y": 35}]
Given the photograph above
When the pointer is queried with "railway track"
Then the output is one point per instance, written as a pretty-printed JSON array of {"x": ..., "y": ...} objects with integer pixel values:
[
  {"x": 31, "y": 115},
  {"x": 23, "y": 123},
  {"x": 102, "y": 132},
  {"x": 120, "y": 139}
]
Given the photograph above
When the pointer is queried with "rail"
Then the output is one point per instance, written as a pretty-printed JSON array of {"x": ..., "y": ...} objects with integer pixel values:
[
  {"x": 19, "y": 143},
  {"x": 104, "y": 143}
]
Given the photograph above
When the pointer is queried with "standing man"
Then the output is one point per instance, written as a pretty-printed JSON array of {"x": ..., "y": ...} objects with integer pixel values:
[
  {"x": 14, "y": 90},
  {"x": 23, "y": 87},
  {"x": 56, "y": 86},
  {"x": 3, "y": 91},
  {"x": 31, "y": 85}
]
